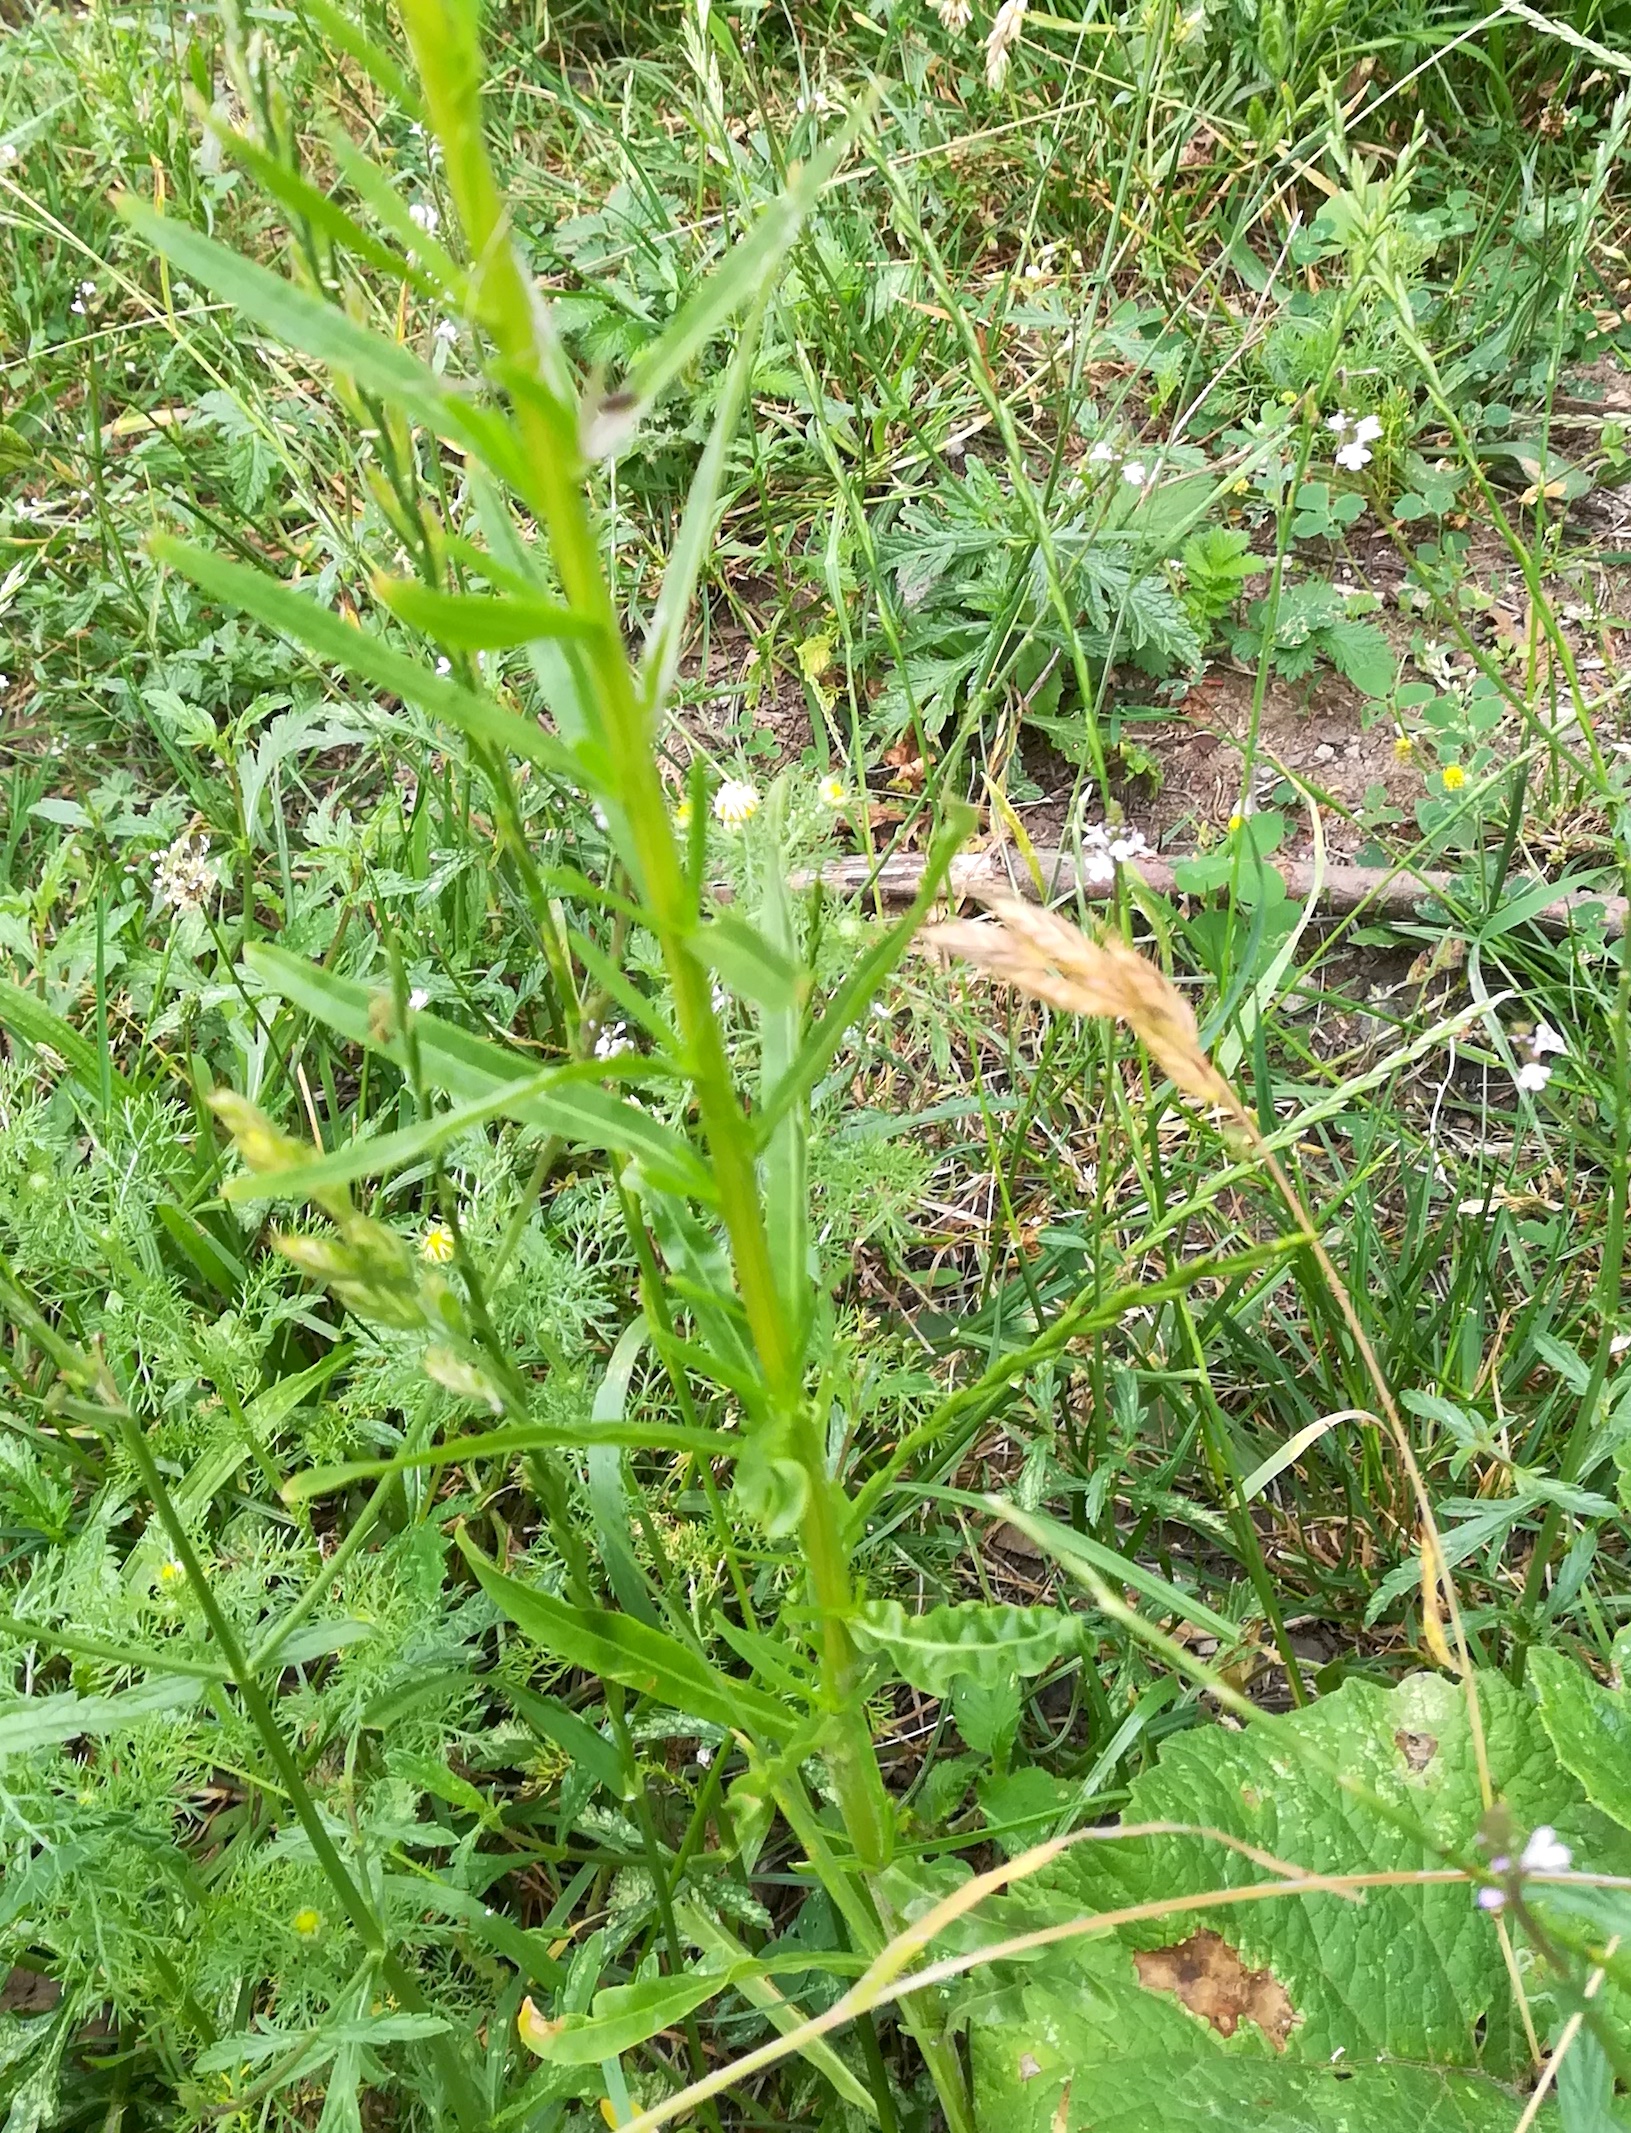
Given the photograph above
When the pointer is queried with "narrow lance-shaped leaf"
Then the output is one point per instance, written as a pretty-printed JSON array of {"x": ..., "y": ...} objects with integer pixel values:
[
  {"x": 618, "y": 1648},
  {"x": 476, "y": 1070},
  {"x": 329, "y": 336}
]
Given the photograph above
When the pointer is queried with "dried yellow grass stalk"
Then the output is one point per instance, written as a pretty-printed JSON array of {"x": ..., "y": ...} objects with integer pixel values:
[{"x": 1041, "y": 954}]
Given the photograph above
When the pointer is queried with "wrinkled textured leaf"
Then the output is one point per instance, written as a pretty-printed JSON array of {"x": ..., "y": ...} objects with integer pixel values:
[
  {"x": 1590, "y": 1729},
  {"x": 966, "y": 1642},
  {"x": 1400, "y": 2007}
]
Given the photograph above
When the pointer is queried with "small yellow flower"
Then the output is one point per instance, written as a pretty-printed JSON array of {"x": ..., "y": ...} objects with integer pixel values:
[
  {"x": 1242, "y": 487},
  {"x": 1454, "y": 777},
  {"x": 1237, "y": 822},
  {"x": 736, "y": 803},
  {"x": 832, "y": 793},
  {"x": 682, "y": 814},
  {"x": 1288, "y": 398},
  {"x": 172, "y": 1574},
  {"x": 1403, "y": 747},
  {"x": 307, "y": 1922},
  {"x": 437, "y": 1245}
]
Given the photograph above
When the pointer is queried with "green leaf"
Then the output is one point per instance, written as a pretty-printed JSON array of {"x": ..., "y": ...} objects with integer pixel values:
[
  {"x": 969, "y": 1641},
  {"x": 330, "y": 637},
  {"x": 624, "y": 2016},
  {"x": 1070, "y": 1549},
  {"x": 329, "y": 336},
  {"x": 24, "y": 1014},
  {"x": 725, "y": 1952},
  {"x": 46, "y": 1721},
  {"x": 479, "y": 622},
  {"x": 1360, "y": 651},
  {"x": 1348, "y": 2017},
  {"x": 1590, "y": 1729},
  {"x": 481, "y": 1074},
  {"x": 620, "y": 1649}
]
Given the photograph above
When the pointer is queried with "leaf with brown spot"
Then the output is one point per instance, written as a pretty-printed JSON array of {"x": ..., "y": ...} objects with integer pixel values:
[
  {"x": 1418, "y": 1749},
  {"x": 1206, "y": 1974}
]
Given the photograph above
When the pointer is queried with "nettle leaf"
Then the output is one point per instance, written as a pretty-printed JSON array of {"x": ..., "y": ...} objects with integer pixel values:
[
  {"x": 1589, "y": 1727},
  {"x": 1360, "y": 651},
  {"x": 1302, "y": 2014},
  {"x": 966, "y": 1642}
]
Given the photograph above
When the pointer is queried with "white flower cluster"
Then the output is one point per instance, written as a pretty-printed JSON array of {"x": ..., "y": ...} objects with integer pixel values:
[
  {"x": 1534, "y": 1074},
  {"x": 954, "y": 14},
  {"x": 184, "y": 877},
  {"x": 1545, "y": 1853},
  {"x": 1104, "y": 849},
  {"x": 1354, "y": 451}
]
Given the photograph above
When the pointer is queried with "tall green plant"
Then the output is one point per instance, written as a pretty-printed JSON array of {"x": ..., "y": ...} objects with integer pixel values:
[{"x": 720, "y": 1229}]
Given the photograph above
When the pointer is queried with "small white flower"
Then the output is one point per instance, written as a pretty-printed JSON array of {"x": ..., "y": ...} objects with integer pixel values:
[
  {"x": 954, "y": 15},
  {"x": 1098, "y": 869},
  {"x": 184, "y": 877},
  {"x": 1340, "y": 422},
  {"x": 612, "y": 1040},
  {"x": 1489, "y": 1899},
  {"x": 1619, "y": 1343},
  {"x": 1532, "y": 1076},
  {"x": 425, "y": 217},
  {"x": 1545, "y": 1039},
  {"x": 418, "y": 998},
  {"x": 719, "y": 997},
  {"x": 832, "y": 793},
  {"x": 736, "y": 803},
  {"x": 1135, "y": 472},
  {"x": 444, "y": 666},
  {"x": 1003, "y": 35},
  {"x": 1353, "y": 456},
  {"x": 1102, "y": 453},
  {"x": 1546, "y": 1853},
  {"x": 8, "y": 154},
  {"x": 1128, "y": 845},
  {"x": 1367, "y": 429},
  {"x": 447, "y": 332}
]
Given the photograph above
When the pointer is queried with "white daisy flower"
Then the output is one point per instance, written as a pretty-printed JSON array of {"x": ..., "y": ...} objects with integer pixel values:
[{"x": 736, "y": 803}]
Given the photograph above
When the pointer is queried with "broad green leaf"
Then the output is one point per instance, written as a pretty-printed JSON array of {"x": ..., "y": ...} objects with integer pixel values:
[
  {"x": 575, "y": 1736},
  {"x": 751, "y": 965},
  {"x": 329, "y": 336},
  {"x": 623, "y": 2016},
  {"x": 479, "y": 1072},
  {"x": 620, "y": 1649},
  {"x": 969, "y": 1641},
  {"x": 46, "y": 1721},
  {"x": 1589, "y": 1727},
  {"x": 478, "y": 622},
  {"x": 1347, "y": 2017},
  {"x": 330, "y": 637}
]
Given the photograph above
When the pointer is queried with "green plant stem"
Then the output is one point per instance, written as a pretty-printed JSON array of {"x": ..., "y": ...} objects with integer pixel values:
[{"x": 399, "y": 1981}]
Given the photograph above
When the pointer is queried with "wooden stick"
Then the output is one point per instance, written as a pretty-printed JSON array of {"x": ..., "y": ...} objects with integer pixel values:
[{"x": 1390, "y": 893}]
